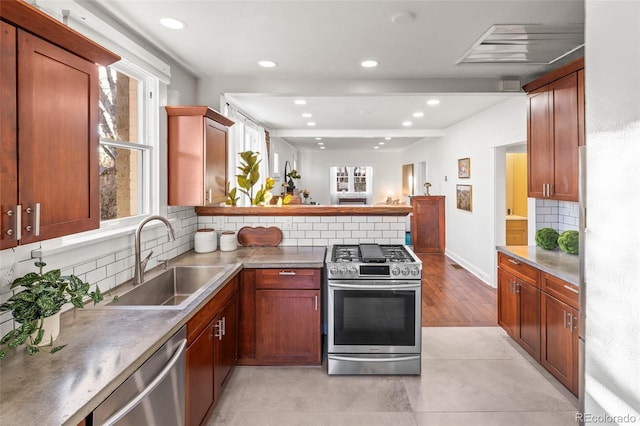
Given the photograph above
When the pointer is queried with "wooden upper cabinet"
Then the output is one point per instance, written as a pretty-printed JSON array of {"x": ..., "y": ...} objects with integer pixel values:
[
  {"x": 428, "y": 224},
  {"x": 49, "y": 90},
  {"x": 197, "y": 156},
  {"x": 555, "y": 130}
]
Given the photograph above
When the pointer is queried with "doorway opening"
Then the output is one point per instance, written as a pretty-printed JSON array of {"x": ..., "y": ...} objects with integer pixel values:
[{"x": 516, "y": 201}]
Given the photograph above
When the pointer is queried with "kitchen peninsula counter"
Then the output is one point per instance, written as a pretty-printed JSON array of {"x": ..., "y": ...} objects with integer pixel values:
[
  {"x": 554, "y": 262},
  {"x": 105, "y": 346},
  {"x": 307, "y": 210}
]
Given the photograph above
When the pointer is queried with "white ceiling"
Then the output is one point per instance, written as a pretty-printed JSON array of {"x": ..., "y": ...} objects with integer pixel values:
[{"x": 319, "y": 45}]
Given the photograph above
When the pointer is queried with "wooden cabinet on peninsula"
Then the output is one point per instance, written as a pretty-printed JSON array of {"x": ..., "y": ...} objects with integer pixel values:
[
  {"x": 212, "y": 351},
  {"x": 280, "y": 317},
  {"x": 197, "y": 156},
  {"x": 428, "y": 224},
  {"x": 519, "y": 303},
  {"x": 555, "y": 129},
  {"x": 540, "y": 312},
  {"x": 49, "y": 91}
]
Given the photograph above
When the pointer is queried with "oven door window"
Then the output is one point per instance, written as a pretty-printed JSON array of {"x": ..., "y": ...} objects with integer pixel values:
[{"x": 374, "y": 317}]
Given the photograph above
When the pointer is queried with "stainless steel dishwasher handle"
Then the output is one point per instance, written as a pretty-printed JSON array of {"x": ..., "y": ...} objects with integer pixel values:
[
  {"x": 356, "y": 359},
  {"x": 146, "y": 391}
]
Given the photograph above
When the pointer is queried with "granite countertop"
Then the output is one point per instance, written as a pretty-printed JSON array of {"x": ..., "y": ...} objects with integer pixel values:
[
  {"x": 554, "y": 262},
  {"x": 105, "y": 346}
]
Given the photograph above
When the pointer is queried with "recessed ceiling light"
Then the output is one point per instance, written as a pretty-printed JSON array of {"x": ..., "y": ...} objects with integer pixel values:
[
  {"x": 300, "y": 102},
  {"x": 267, "y": 64},
  {"x": 307, "y": 115},
  {"x": 318, "y": 139},
  {"x": 369, "y": 63},
  {"x": 433, "y": 102},
  {"x": 407, "y": 123},
  {"x": 322, "y": 147},
  {"x": 418, "y": 114},
  {"x": 376, "y": 147},
  {"x": 173, "y": 24},
  {"x": 387, "y": 138},
  {"x": 380, "y": 143},
  {"x": 311, "y": 123},
  {"x": 320, "y": 143}
]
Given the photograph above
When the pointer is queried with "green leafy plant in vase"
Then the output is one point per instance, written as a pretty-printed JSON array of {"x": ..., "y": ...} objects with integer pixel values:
[
  {"x": 248, "y": 177},
  {"x": 43, "y": 297}
]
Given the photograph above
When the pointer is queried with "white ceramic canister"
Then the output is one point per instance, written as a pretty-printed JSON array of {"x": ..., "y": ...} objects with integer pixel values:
[
  {"x": 228, "y": 241},
  {"x": 205, "y": 240}
]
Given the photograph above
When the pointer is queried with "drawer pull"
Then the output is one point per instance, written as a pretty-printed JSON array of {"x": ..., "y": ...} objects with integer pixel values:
[
  {"x": 571, "y": 289},
  {"x": 515, "y": 262},
  {"x": 286, "y": 273}
]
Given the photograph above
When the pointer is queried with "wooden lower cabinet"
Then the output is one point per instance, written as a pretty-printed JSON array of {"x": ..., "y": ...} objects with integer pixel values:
[
  {"x": 212, "y": 351},
  {"x": 544, "y": 320},
  {"x": 225, "y": 345},
  {"x": 519, "y": 311},
  {"x": 280, "y": 317},
  {"x": 288, "y": 326},
  {"x": 560, "y": 341}
]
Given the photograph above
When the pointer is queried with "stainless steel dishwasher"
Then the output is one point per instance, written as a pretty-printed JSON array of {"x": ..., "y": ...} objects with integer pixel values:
[{"x": 154, "y": 394}]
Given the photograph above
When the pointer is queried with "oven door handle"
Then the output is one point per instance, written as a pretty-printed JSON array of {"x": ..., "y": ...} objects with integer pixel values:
[
  {"x": 375, "y": 287},
  {"x": 355, "y": 359}
]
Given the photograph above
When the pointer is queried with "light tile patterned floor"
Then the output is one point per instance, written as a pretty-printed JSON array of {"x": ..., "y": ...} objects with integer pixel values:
[{"x": 470, "y": 376}]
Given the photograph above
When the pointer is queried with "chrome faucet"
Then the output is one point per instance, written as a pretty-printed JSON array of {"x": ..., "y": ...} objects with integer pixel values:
[{"x": 140, "y": 265}]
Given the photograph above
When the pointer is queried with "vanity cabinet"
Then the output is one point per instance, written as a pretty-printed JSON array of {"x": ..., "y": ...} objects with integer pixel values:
[
  {"x": 280, "y": 317},
  {"x": 49, "y": 91},
  {"x": 555, "y": 129},
  {"x": 212, "y": 351},
  {"x": 197, "y": 156},
  {"x": 541, "y": 312},
  {"x": 428, "y": 224}
]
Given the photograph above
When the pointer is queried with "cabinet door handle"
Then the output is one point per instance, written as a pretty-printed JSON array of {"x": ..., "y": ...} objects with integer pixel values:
[
  {"x": 515, "y": 262},
  {"x": 564, "y": 314},
  {"x": 36, "y": 219},
  {"x": 316, "y": 302},
  {"x": 219, "y": 327},
  {"x": 571, "y": 289},
  {"x": 544, "y": 189},
  {"x": 571, "y": 319},
  {"x": 287, "y": 273},
  {"x": 209, "y": 195},
  {"x": 549, "y": 190},
  {"x": 517, "y": 287},
  {"x": 511, "y": 286},
  {"x": 17, "y": 223},
  {"x": 224, "y": 326}
]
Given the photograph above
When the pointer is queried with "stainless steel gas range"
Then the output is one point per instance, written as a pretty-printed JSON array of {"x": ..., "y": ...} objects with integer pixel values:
[{"x": 374, "y": 309}]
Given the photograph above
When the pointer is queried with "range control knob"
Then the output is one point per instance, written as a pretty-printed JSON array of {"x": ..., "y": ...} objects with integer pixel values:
[
  {"x": 353, "y": 270},
  {"x": 415, "y": 271},
  {"x": 333, "y": 271},
  {"x": 405, "y": 271},
  {"x": 395, "y": 271},
  {"x": 343, "y": 270}
]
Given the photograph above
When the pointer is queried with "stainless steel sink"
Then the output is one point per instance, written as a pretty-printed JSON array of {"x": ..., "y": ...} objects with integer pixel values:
[{"x": 171, "y": 289}]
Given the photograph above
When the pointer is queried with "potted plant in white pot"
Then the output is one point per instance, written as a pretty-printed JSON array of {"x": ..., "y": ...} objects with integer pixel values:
[{"x": 37, "y": 308}]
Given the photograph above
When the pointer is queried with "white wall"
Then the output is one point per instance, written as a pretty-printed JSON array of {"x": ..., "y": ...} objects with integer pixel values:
[
  {"x": 471, "y": 236},
  {"x": 613, "y": 200},
  {"x": 387, "y": 171}
]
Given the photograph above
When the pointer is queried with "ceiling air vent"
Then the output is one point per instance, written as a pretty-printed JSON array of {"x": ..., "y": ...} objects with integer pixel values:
[{"x": 525, "y": 44}]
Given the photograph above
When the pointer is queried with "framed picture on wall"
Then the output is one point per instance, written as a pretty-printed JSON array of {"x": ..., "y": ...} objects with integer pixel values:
[
  {"x": 463, "y": 197},
  {"x": 464, "y": 168}
]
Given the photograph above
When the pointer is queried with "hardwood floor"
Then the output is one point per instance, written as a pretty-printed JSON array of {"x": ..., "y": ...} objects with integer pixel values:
[{"x": 453, "y": 297}]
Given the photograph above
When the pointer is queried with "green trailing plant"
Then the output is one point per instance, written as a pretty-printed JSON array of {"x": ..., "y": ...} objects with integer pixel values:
[
  {"x": 568, "y": 242},
  {"x": 248, "y": 177},
  {"x": 44, "y": 295},
  {"x": 547, "y": 238}
]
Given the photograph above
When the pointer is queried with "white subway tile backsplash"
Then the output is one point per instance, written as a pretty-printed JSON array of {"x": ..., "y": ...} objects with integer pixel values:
[
  {"x": 559, "y": 215},
  {"x": 328, "y": 219},
  {"x": 367, "y": 226},
  {"x": 336, "y": 226}
]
